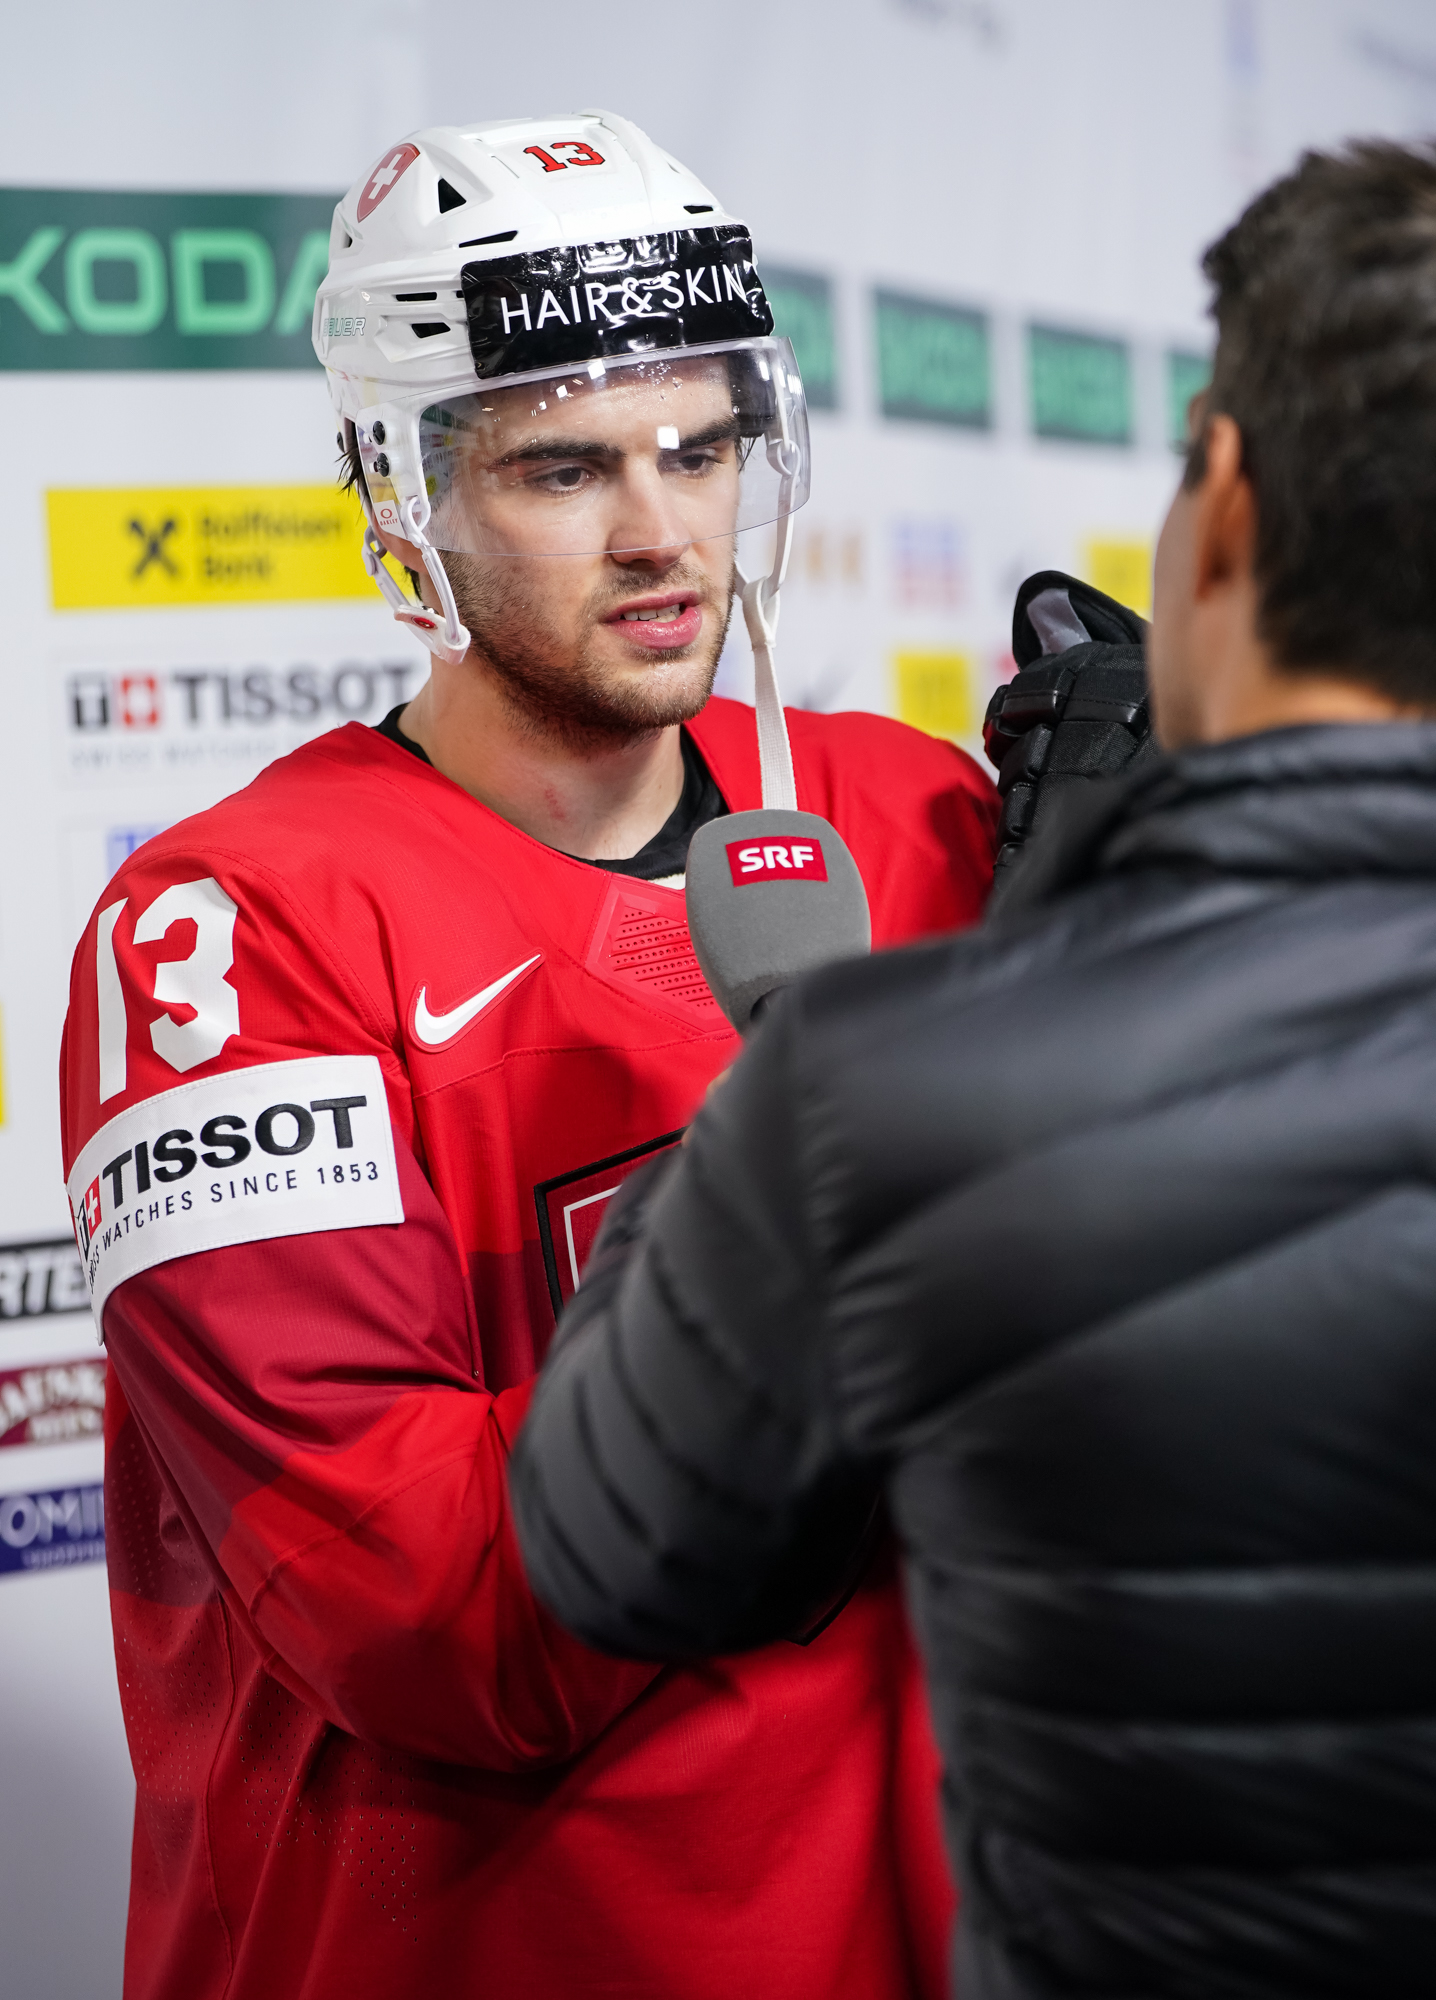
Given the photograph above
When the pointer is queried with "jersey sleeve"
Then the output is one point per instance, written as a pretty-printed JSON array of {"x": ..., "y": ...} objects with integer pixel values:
[{"x": 306, "y": 1377}]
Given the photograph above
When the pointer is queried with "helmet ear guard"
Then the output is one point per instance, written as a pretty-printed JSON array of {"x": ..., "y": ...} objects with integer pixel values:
[{"x": 386, "y": 439}]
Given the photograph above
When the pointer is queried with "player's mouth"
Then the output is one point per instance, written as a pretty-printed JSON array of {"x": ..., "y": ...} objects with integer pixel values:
[{"x": 663, "y": 622}]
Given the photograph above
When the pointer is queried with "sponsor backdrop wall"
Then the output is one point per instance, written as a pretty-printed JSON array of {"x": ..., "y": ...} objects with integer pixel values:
[{"x": 980, "y": 223}]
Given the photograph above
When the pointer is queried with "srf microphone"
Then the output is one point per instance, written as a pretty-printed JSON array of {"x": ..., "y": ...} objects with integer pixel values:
[{"x": 771, "y": 895}]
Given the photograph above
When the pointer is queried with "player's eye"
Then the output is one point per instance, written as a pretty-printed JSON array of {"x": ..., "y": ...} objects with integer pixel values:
[
  {"x": 694, "y": 463},
  {"x": 561, "y": 478}
]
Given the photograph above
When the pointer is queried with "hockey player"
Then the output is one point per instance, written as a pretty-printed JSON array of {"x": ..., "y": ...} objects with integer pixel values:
[{"x": 353, "y": 1062}]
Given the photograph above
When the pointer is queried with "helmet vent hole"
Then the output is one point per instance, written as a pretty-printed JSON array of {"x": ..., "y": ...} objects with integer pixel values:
[
  {"x": 697, "y": 208},
  {"x": 499, "y": 236},
  {"x": 426, "y": 329},
  {"x": 348, "y": 241},
  {"x": 414, "y": 298},
  {"x": 449, "y": 197}
]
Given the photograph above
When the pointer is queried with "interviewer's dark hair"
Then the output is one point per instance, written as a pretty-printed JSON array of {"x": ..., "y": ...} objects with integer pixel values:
[{"x": 1325, "y": 303}]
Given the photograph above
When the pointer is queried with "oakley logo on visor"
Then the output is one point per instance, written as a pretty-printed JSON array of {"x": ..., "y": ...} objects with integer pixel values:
[
  {"x": 776, "y": 861},
  {"x": 685, "y": 288}
]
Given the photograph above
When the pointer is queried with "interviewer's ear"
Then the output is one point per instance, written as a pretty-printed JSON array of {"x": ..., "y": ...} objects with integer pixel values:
[
  {"x": 1203, "y": 591},
  {"x": 1223, "y": 511}
]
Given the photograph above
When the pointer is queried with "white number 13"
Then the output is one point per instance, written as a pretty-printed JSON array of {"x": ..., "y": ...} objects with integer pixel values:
[{"x": 197, "y": 981}]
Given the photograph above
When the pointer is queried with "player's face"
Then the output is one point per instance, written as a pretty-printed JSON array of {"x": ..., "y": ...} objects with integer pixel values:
[
  {"x": 598, "y": 521},
  {"x": 639, "y": 458}
]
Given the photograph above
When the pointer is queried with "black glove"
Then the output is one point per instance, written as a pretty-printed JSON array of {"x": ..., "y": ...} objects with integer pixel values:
[{"x": 1077, "y": 706}]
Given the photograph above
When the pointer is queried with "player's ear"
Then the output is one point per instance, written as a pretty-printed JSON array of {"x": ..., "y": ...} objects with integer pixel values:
[
  {"x": 403, "y": 552},
  {"x": 407, "y": 556}
]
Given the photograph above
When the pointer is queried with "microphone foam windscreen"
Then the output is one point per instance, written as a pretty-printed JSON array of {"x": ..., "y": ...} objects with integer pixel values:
[{"x": 771, "y": 895}]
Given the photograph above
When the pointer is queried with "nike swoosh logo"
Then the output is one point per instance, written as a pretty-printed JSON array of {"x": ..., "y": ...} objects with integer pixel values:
[{"x": 432, "y": 1029}]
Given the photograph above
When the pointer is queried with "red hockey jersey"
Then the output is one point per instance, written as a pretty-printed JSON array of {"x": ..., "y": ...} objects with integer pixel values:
[{"x": 350, "y": 1069}]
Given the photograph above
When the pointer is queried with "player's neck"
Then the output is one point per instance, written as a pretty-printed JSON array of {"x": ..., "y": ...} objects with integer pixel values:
[{"x": 602, "y": 803}]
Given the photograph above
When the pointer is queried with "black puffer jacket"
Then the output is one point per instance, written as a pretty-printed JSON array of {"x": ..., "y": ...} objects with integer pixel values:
[{"x": 1106, "y": 1236}]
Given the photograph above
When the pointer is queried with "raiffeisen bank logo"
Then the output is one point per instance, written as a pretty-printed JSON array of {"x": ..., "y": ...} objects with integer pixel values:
[
  {"x": 106, "y": 279},
  {"x": 144, "y": 547}
]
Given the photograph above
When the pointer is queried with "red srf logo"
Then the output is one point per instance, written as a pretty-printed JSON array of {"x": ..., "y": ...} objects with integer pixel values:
[
  {"x": 776, "y": 861},
  {"x": 384, "y": 177},
  {"x": 139, "y": 701},
  {"x": 87, "y": 1220}
]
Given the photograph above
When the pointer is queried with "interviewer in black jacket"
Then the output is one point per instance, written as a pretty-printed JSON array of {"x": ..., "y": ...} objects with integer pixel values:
[{"x": 1104, "y": 1239}]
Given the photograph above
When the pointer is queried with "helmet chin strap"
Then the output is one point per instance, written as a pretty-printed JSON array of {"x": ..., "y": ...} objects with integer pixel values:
[
  {"x": 452, "y": 642},
  {"x": 760, "y": 614},
  {"x": 447, "y": 641}
]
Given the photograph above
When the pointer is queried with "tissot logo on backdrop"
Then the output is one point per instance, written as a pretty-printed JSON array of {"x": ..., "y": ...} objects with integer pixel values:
[
  {"x": 139, "y": 722},
  {"x": 199, "y": 697}
]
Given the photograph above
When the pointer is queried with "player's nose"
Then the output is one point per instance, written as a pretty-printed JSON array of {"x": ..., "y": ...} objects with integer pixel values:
[{"x": 647, "y": 523}]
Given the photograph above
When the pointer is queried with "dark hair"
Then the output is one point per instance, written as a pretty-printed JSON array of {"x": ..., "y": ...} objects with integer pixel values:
[
  {"x": 1325, "y": 303},
  {"x": 351, "y": 466}
]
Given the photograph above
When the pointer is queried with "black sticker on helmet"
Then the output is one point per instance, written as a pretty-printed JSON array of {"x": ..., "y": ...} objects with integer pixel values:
[{"x": 685, "y": 288}]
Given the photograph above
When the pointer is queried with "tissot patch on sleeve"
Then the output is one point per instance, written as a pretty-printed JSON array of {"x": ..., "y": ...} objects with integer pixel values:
[{"x": 280, "y": 1149}]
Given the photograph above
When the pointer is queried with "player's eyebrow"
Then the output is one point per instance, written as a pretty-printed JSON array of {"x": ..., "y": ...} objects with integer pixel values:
[
  {"x": 723, "y": 432},
  {"x": 551, "y": 447},
  {"x": 547, "y": 449}
]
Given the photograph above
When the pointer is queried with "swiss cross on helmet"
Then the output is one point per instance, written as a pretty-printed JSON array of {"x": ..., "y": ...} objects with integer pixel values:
[{"x": 483, "y": 282}]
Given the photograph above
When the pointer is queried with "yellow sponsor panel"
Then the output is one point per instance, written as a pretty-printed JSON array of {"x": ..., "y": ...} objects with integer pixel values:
[
  {"x": 153, "y": 545},
  {"x": 937, "y": 692},
  {"x": 1123, "y": 569}
]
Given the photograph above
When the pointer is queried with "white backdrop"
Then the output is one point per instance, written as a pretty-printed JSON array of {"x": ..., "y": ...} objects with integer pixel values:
[{"x": 1057, "y": 163}]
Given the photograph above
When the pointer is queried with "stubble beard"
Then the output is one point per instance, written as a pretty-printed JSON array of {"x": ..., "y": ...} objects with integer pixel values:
[{"x": 581, "y": 701}]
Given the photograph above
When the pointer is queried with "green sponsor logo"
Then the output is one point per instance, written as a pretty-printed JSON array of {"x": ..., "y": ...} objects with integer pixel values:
[
  {"x": 933, "y": 361},
  {"x": 802, "y": 305},
  {"x": 1187, "y": 374},
  {"x": 111, "y": 280},
  {"x": 1081, "y": 386}
]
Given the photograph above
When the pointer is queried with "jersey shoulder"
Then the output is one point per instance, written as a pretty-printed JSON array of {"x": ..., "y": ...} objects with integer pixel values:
[
  {"x": 346, "y": 827},
  {"x": 852, "y": 756},
  {"x": 875, "y": 753},
  {"x": 314, "y": 802}
]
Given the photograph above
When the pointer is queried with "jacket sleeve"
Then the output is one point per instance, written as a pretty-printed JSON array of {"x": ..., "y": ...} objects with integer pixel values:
[
  {"x": 680, "y": 1487},
  {"x": 313, "y": 1405}
]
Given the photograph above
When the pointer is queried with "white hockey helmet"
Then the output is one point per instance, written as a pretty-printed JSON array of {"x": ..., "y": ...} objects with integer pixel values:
[{"x": 481, "y": 274}]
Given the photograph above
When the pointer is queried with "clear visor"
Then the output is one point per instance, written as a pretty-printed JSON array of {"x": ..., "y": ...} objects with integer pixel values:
[{"x": 629, "y": 453}]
